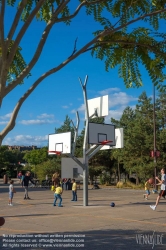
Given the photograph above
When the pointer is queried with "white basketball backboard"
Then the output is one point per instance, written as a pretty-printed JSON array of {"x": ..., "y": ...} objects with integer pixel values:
[
  {"x": 98, "y": 133},
  {"x": 99, "y": 104},
  {"x": 59, "y": 142},
  {"x": 118, "y": 139}
]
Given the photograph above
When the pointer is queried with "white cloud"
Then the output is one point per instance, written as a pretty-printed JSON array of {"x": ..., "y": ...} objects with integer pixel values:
[
  {"x": 80, "y": 109},
  {"x": 114, "y": 113},
  {"x": 6, "y": 117},
  {"x": 43, "y": 116},
  {"x": 4, "y": 122},
  {"x": 37, "y": 121},
  {"x": 65, "y": 107},
  {"x": 41, "y": 119},
  {"x": 26, "y": 140},
  {"x": 118, "y": 101},
  {"x": 120, "y": 98},
  {"x": 107, "y": 91}
]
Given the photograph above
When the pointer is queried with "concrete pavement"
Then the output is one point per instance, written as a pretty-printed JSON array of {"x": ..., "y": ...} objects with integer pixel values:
[{"x": 36, "y": 224}]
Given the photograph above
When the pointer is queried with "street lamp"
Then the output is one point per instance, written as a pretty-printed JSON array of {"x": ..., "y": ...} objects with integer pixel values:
[{"x": 154, "y": 134}]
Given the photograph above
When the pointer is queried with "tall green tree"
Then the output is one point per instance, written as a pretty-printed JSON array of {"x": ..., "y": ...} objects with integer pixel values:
[
  {"x": 129, "y": 37},
  {"x": 138, "y": 127},
  {"x": 36, "y": 156},
  {"x": 66, "y": 127},
  {"x": 48, "y": 168}
]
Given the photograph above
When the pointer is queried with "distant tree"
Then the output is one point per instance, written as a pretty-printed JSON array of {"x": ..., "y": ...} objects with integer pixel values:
[
  {"x": 124, "y": 40},
  {"x": 10, "y": 161},
  {"x": 4, "y": 161},
  {"x": 36, "y": 156},
  {"x": 139, "y": 137},
  {"x": 48, "y": 168},
  {"x": 66, "y": 127}
]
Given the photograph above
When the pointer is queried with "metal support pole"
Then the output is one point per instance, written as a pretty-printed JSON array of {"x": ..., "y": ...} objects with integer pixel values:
[
  {"x": 75, "y": 132},
  {"x": 154, "y": 133},
  {"x": 85, "y": 146}
]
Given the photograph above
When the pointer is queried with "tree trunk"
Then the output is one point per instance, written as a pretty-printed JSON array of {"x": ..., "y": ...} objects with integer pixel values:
[
  {"x": 126, "y": 177},
  {"x": 118, "y": 171},
  {"x": 137, "y": 180},
  {"x": 91, "y": 179}
]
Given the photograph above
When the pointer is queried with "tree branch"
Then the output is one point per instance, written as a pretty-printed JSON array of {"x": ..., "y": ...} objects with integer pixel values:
[
  {"x": 150, "y": 47},
  {"x": 22, "y": 32},
  {"x": 11, "y": 123},
  {"x": 15, "y": 22},
  {"x": 107, "y": 31},
  {"x": 37, "y": 54},
  {"x": 2, "y": 12},
  {"x": 2, "y": 48},
  {"x": 35, "y": 58},
  {"x": 75, "y": 47},
  {"x": 60, "y": 8},
  {"x": 84, "y": 3},
  {"x": 123, "y": 14},
  {"x": 11, "y": 86}
]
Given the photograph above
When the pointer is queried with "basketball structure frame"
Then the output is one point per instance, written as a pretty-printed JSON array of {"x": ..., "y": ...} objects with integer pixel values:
[{"x": 88, "y": 153}]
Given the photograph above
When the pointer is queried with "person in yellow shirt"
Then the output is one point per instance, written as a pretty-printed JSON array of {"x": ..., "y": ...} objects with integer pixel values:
[
  {"x": 147, "y": 190},
  {"x": 74, "y": 190},
  {"x": 57, "y": 195}
]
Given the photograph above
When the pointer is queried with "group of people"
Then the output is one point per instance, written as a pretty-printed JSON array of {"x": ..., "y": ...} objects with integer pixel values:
[
  {"x": 58, "y": 190},
  {"x": 24, "y": 180},
  {"x": 162, "y": 193}
]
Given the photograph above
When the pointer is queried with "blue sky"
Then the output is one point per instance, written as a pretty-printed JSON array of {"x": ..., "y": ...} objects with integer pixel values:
[{"x": 61, "y": 94}]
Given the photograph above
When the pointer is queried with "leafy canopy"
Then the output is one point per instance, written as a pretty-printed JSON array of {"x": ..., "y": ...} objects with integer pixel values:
[{"x": 130, "y": 35}]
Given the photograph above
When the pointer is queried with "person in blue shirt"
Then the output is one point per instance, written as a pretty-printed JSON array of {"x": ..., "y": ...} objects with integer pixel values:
[{"x": 25, "y": 183}]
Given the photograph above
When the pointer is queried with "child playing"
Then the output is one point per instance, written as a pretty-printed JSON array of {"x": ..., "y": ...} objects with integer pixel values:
[
  {"x": 57, "y": 195},
  {"x": 147, "y": 190},
  {"x": 11, "y": 193},
  {"x": 74, "y": 190}
]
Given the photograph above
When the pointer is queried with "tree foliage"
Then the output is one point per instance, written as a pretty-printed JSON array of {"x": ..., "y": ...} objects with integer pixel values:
[
  {"x": 36, "y": 156},
  {"x": 139, "y": 136},
  {"x": 48, "y": 168},
  {"x": 129, "y": 36}
]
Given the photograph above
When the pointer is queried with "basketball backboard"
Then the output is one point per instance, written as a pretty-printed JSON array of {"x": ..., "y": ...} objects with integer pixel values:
[
  {"x": 98, "y": 133},
  {"x": 118, "y": 140},
  {"x": 60, "y": 143},
  {"x": 99, "y": 104}
]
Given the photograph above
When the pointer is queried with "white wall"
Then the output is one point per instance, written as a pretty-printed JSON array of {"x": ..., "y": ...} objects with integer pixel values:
[{"x": 67, "y": 165}]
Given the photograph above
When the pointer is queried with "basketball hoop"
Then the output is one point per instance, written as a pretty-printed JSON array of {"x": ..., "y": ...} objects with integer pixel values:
[
  {"x": 55, "y": 152},
  {"x": 105, "y": 142}
]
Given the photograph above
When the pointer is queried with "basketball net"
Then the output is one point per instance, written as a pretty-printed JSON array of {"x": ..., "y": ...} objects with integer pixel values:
[{"x": 105, "y": 142}]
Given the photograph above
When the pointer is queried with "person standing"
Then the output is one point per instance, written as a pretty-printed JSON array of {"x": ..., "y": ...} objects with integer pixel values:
[
  {"x": 162, "y": 193},
  {"x": 19, "y": 176},
  {"x": 74, "y": 190},
  {"x": 25, "y": 183},
  {"x": 57, "y": 195},
  {"x": 11, "y": 193},
  {"x": 147, "y": 190}
]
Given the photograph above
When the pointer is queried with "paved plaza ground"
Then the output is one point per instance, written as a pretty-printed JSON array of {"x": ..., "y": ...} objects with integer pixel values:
[{"x": 36, "y": 224}]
